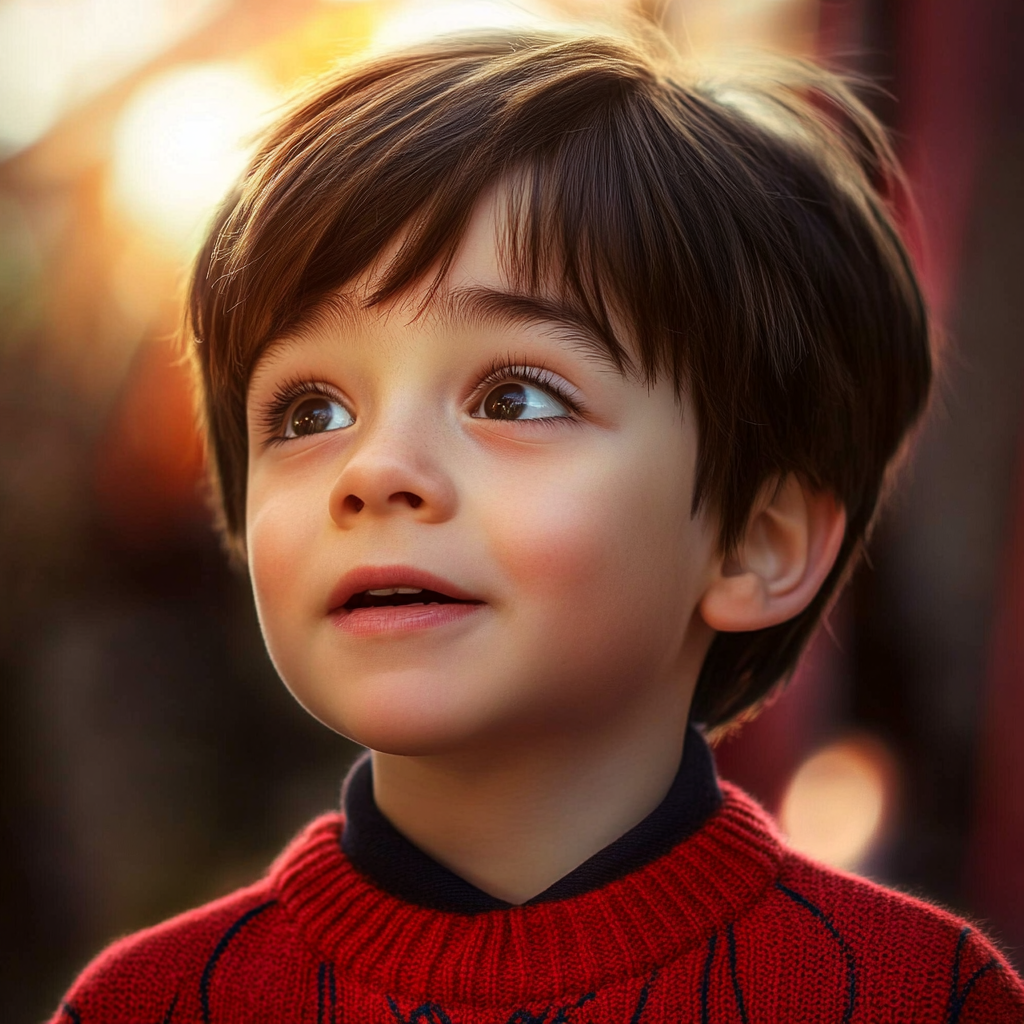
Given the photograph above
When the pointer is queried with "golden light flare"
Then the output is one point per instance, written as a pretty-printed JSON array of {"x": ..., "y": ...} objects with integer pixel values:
[{"x": 181, "y": 142}]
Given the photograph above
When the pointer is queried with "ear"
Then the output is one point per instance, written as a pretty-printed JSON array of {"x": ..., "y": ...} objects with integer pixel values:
[{"x": 790, "y": 545}]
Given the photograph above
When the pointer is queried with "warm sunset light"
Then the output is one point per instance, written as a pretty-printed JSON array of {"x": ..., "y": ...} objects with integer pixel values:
[
  {"x": 837, "y": 802},
  {"x": 182, "y": 141},
  {"x": 56, "y": 54},
  {"x": 417, "y": 20}
]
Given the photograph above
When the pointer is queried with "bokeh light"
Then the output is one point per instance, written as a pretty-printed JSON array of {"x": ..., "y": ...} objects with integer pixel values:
[
  {"x": 180, "y": 143},
  {"x": 838, "y": 801},
  {"x": 55, "y": 53}
]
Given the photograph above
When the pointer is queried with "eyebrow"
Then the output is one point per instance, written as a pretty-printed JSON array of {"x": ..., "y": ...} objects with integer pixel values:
[
  {"x": 503, "y": 309},
  {"x": 481, "y": 306}
]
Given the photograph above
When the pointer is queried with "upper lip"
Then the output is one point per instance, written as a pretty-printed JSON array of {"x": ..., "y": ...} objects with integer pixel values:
[{"x": 371, "y": 577}]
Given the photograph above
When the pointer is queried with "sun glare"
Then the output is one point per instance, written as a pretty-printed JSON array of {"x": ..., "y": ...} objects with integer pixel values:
[{"x": 182, "y": 141}]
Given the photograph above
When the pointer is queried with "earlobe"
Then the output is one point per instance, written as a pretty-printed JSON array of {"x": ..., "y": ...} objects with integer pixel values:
[{"x": 789, "y": 547}]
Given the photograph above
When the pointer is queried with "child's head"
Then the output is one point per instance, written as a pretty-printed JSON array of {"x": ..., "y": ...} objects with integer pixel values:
[{"x": 523, "y": 239}]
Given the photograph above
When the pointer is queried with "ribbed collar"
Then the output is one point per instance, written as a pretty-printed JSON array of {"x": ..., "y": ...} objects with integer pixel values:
[
  {"x": 622, "y": 930},
  {"x": 397, "y": 866}
]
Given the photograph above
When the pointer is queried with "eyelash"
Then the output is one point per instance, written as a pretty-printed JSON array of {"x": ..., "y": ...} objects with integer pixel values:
[{"x": 499, "y": 372}]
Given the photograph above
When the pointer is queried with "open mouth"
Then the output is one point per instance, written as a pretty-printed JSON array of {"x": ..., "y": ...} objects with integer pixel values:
[
  {"x": 389, "y": 599},
  {"x": 396, "y": 597}
]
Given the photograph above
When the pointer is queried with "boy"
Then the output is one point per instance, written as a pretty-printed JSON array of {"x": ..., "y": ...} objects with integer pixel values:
[{"x": 551, "y": 393}]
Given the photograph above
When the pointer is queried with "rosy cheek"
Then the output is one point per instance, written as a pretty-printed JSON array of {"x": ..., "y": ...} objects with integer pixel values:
[
  {"x": 607, "y": 533},
  {"x": 561, "y": 533},
  {"x": 274, "y": 537}
]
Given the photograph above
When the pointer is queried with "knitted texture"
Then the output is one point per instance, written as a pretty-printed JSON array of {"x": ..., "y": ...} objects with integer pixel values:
[{"x": 729, "y": 926}]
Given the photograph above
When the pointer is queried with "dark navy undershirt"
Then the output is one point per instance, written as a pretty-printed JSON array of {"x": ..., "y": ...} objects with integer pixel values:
[{"x": 394, "y": 864}]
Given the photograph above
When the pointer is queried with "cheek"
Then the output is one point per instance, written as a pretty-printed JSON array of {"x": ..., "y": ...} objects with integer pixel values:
[
  {"x": 276, "y": 537},
  {"x": 558, "y": 543},
  {"x": 608, "y": 533}
]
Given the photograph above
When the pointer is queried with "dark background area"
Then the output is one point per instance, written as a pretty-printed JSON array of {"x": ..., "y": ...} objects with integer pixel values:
[{"x": 149, "y": 757}]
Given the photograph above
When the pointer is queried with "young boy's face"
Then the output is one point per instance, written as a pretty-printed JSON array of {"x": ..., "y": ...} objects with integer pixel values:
[{"x": 494, "y": 456}]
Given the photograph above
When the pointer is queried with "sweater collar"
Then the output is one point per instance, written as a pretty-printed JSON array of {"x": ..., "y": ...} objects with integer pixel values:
[
  {"x": 400, "y": 868},
  {"x": 626, "y": 929}
]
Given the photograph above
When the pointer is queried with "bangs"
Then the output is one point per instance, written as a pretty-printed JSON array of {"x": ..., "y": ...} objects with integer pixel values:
[{"x": 544, "y": 276}]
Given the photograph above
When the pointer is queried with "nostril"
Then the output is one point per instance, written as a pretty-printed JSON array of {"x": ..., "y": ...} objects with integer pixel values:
[
  {"x": 354, "y": 504},
  {"x": 414, "y": 499}
]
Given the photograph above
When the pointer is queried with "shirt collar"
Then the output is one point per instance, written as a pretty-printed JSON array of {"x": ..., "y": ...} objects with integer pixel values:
[{"x": 378, "y": 850}]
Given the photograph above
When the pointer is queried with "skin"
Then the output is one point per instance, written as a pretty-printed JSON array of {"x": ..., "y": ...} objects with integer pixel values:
[{"x": 516, "y": 742}]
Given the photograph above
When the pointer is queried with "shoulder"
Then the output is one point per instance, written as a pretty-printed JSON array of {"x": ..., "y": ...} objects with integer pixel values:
[
  {"x": 237, "y": 949},
  {"x": 891, "y": 948},
  {"x": 151, "y": 973}
]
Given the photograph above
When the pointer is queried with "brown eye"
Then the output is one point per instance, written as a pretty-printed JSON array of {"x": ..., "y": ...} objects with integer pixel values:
[
  {"x": 514, "y": 400},
  {"x": 505, "y": 402},
  {"x": 316, "y": 415}
]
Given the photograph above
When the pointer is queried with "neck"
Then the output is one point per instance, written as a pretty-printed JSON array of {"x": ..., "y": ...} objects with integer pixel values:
[{"x": 512, "y": 822}]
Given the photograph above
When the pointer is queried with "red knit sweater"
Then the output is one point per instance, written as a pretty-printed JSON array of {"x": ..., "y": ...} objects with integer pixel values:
[{"x": 729, "y": 926}]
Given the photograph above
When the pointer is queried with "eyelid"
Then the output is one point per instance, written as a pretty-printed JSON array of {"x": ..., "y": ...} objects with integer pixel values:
[{"x": 271, "y": 413}]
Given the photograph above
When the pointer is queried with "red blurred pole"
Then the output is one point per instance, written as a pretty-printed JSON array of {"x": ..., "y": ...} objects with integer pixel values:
[
  {"x": 948, "y": 52},
  {"x": 955, "y": 55},
  {"x": 995, "y": 867}
]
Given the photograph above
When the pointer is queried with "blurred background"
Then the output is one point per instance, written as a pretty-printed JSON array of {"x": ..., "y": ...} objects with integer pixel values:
[{"x": 149, "y": 758}]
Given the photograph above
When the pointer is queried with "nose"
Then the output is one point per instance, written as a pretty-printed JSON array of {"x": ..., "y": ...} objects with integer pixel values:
[{"x": 394, "y": 469}]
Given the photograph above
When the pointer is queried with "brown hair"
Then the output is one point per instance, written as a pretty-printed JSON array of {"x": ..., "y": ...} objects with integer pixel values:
[{"x": 742, "y": 225}]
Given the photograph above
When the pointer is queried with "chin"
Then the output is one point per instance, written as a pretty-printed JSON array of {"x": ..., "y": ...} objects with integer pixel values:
[{"x": 394, "y": 717}]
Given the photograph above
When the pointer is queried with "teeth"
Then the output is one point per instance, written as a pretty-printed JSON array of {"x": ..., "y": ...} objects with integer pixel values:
[{"x": 389, "y": 591}]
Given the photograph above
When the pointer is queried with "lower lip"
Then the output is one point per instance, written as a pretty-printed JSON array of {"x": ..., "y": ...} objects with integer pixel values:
[{"x": 401, "y": 618}]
